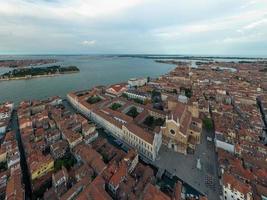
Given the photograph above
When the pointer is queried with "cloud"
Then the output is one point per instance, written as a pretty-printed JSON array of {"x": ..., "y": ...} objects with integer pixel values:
[
  {"x": 65, "y": 9},
  {"x": 88, "y": 42},
  {"x": 261, "y": 22},
  {"x": 238, "y": 22},
  {"x": 133, "y": 26}
]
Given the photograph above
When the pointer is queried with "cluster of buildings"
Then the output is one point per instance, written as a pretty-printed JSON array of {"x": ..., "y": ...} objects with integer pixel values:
[
  {"x": 103, "y": 171},
  {"x": 6, "y": 110},
  {"x": 140, "y": 125},
  {"x": 121, "y": 118},
  {"x": 232, "y": 97},
  {"x": 106, "y": 172},
  {"x": 11, "y": 183},
  {"x": 51, "y": 136},
  {"x": 67, "y": 159},
  {"x": 48, "y": 133},
  {"x": 11, "y": 180}
]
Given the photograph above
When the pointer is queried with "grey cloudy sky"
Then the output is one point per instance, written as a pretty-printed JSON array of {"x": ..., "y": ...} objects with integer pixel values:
[{"x": 205, "y": 27}]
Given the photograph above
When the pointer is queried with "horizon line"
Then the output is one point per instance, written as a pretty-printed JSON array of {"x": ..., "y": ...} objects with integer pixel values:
[{"x": 140, "y": 54}]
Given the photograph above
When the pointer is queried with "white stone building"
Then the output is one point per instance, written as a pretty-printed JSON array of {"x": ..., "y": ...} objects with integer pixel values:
[{"x": 137, "y": 82}]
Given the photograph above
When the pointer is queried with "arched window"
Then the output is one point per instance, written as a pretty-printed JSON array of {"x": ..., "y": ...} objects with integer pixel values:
[{"x": 172, "y": 132}]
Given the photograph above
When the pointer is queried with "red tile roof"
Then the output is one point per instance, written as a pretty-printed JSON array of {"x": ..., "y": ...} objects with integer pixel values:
[
  {"x": 95, "y": 191},
  {"x": 235, "y": 184},
  {"x": 141, "y": 133},
  {"x": 118, "y": 87},
  {"x": 119, "y": 175},
  {"x": 152, "y": 193}
]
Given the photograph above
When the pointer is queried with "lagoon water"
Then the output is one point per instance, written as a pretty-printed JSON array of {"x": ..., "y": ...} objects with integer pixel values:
[{"x": 94, "y": 70}]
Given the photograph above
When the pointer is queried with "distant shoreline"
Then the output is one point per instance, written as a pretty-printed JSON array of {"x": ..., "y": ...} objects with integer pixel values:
[
  {"x": 29, "y": 73},
  {"x": 37, "y": 76},
  {"x": 184, "y": 57},
  {"x": 24, "y": 63}
]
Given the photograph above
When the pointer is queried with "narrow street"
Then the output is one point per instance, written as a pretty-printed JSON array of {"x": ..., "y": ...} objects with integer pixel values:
[{"x": 23, "y": 163}]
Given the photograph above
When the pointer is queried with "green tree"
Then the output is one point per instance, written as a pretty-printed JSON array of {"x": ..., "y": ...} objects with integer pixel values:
[
  {"x": 208, "y": 124},
  {"x": 132, "y": 112}
]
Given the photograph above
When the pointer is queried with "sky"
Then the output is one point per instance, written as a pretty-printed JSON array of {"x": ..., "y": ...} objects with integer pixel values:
[{"x": 185, "y": 27}]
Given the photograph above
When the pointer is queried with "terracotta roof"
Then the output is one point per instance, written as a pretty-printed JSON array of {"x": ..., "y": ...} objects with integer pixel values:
[
  {"x": 116, "y": 114},
  {"x": 118, "y": 87},
  {"x": 61, "y": 173},
  {"x": 185, "y": 123},
  {"x": 261, "y": 190},
  {"x": 14, "y": 188},
  {"x": 178, "y": 190},
  {"x": 95, "y": 191},
  {"x": 82, "y": 171},
  {"x": 74, "y": 190},
  {"x": 152, "y": 193},
  {"x": 90, "y": 156},
  {"x": 235, "y": 184},
  {"x": 203, "y": 198},
  {"x": 119, "y": 175},
  {"x": 238, "y": 169},
  {"x": 139, "y": 132},
  {"x": 178, "y": 111},
  {"x": 36, "y": 159},
  {"x": 72, "y": 136},
  {"x": 108, "y": 118}
]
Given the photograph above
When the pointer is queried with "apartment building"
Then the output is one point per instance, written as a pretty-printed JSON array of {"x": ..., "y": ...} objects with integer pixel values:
[
  {"x": 122, "y": 127},
  {"x": 137, "y": 82},
  {"x": 135, "y": 94}
]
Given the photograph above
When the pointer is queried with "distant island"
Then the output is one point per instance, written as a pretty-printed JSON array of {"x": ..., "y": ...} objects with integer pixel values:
[
  {"x": 205, "y": 58},
  {"x": 35, "y": 72},
  {"x": 25, "y": 62},
  {"x": 172, "y": 62},
  {"x": 208, "y": 62}
]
